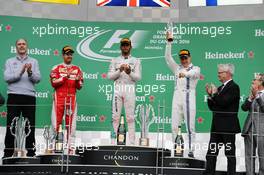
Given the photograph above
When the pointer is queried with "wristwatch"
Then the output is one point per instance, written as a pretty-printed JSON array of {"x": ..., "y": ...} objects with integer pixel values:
[{"x": 29, "y": 73}]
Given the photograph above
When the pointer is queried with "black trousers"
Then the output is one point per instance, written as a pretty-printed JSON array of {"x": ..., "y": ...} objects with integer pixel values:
[
  {"x": 20, "y": 105},
  {"x": 217, "y": 141}
]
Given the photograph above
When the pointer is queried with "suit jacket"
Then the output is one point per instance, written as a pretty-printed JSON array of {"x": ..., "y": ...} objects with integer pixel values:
[
  {"x": 2, "y": 100},
  {"x": 225, "y": 105},
  {"x": 255, "y": 119}
]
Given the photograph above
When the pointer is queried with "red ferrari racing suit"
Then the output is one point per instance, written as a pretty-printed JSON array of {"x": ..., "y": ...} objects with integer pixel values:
[{"x": 65, "y": 79}]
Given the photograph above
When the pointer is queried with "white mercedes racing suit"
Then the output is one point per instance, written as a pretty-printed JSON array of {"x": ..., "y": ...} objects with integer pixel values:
[
  {"x": 124, "y": 92},
  {"x": 184, "y": 97}
]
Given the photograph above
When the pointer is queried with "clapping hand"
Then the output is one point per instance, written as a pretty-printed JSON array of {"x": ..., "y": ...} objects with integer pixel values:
[
  {"x": 29, "y": 68},
  {"x": 208, "y": 89},
  {"x": 253, "y": 92},
  {"x": 78, "y": 77},
  {"x": 182, "y": 75},
  {"x": 23, "y": 69},
  {"x": 122, "y": 67},
  {"x": 127, "y": 69}
]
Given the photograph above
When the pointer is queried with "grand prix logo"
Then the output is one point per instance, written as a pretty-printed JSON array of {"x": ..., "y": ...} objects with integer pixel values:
[{"x": 104, "y": 45}]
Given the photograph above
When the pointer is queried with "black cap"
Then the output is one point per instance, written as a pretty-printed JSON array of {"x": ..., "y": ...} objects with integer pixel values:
[
  {"x": 125, "y": 41},
  {"x": 67, "y": 49},
  {"x": 184, "y": 53}
]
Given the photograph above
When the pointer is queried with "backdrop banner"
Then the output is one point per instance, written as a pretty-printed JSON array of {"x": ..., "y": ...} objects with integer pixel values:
[{"x": 96, "y": 43}]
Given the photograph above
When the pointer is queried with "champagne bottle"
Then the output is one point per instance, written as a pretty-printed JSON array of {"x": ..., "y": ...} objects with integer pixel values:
[
  {"x": 170, "y": 31},
  {"x": 179, "y": 144},
  {"x": 59, "y": 141},
  {"x": 121, "y": 132}
]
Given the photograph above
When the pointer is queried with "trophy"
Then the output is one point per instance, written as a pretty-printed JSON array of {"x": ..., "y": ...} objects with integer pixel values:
[
  {"x": 169, "y": 30},
  {"x": 144, "y": 120},
  {"x": 17, "y": 129},
  {"x": 49, "y": 135}
]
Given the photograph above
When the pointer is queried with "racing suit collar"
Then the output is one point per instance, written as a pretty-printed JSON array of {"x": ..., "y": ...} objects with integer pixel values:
[
  {"x": 189, "y": 66},
  {"x": 125, "y": 57},
  {"x": 67, "y": 65}
]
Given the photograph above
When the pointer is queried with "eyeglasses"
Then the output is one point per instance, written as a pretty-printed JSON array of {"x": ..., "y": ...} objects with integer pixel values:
[
  {"x": 221, "y": 72},
  {"x": 125, "y": 44}
]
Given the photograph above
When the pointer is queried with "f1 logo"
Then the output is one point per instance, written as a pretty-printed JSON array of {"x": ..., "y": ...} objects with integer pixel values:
[{"x": 135, "y": 38}]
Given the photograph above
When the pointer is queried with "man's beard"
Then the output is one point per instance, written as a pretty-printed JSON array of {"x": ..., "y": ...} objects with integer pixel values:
[{"x": 126, "y": 52}]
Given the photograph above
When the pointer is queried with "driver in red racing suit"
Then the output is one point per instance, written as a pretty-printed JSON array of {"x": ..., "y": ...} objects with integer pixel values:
[{"x": 66, "y": 78}]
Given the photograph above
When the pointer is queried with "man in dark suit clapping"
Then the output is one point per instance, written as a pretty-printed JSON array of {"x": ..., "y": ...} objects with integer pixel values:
[{"x": 224, "y": 103}]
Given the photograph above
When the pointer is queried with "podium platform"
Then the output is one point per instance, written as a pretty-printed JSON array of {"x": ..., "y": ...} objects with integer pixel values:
[
  {"x": 122, "y": 155},
  {"x": 108, "y": 160},
  {"x": 99, "y": 170}
]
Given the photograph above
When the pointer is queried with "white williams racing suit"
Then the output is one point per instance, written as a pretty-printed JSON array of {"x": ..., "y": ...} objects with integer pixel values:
[
  {"x": 124, "y": 92},
  {"x": 184, "y": 97}
]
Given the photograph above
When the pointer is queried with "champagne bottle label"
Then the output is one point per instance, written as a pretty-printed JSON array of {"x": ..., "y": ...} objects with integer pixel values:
[
  {"x": 121, "y": 138},
  {"x": 58, "y": 146},
  {"x": 178, "y": 149}
]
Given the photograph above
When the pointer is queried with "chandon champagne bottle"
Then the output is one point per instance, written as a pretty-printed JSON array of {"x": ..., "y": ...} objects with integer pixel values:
[
  {"x": 59, "y": 141},
  {"x": 179, "y": 144},
  {"x": 121, "y": 132}
]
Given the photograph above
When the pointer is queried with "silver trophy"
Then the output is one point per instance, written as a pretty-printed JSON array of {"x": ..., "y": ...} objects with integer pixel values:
[
  {"x": 144, "y": 120},
  {"x": 169, "y": 30},
  {"x": 17, "y": 129},
  {"x": 49, "y": 135}
]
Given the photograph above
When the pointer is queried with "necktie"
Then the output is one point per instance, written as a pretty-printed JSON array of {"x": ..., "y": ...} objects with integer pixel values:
[{"x": 221, "y": 88}]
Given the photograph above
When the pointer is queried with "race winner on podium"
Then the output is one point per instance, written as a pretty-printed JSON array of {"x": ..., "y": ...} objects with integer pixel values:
[
  {"x": 125, "y": 71},
  {"x": 66, "y": 78},
  {"x": 184, "y": 96}
]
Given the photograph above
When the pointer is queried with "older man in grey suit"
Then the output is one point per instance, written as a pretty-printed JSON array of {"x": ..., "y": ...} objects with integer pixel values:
[{"x": 253, "y": 131}]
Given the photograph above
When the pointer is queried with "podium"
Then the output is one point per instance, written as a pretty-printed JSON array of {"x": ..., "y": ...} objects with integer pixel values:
[
  {"x": 109, "y": 159},
  {"x": 59, "y": 159},
  {"x": 122, "y": 155},
  {"x": 20, "y": 160},
  {"x": 183, "y": 162}
]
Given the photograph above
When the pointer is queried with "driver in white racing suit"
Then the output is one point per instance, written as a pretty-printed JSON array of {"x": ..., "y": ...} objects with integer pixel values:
[
  {"x": 184, "y": 97},
  {"x": 125, "y": 71}
]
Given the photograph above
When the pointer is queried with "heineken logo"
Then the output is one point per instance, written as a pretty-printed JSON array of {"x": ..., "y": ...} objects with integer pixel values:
[
  {"x": 33, "y": 51},
  {"x": 259, "y": 32},
  {"x": 225, "y": 55}
]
